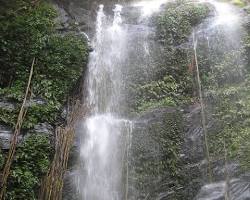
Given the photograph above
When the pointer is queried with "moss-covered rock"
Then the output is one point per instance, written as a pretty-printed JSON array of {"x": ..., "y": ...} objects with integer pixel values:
[
  {"x": 155, "y": 166},
  {"x": 157, "y": 145}
]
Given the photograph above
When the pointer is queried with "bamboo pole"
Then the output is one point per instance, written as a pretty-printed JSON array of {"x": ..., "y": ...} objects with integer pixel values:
[
  {"x": 64, "y": 136},
  {"x": 14, "y": 140},
  {"x": 227, "y": 197},
  {"x": 203, "y": 118}
]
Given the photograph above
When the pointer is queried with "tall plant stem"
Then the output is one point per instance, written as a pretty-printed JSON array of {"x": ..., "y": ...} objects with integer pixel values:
[
  {"x": 203, "y": 118},
  {"x": 14, "y": 140}
]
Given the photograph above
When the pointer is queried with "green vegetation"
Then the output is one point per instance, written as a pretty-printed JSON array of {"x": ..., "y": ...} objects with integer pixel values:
[
  {"x": 178, "y": 20},
  {"x": 31, "y": 163},
  {"x": 224, "y": 70},
  {"x": 231, "y": 107},
  {"x": 226, "y": 83},
  {"x": 28, "y": 31},
  {"x": 172, "y": 83},
  {"x": 158, "y": 160},
  {"x": 240, "y": 3}
]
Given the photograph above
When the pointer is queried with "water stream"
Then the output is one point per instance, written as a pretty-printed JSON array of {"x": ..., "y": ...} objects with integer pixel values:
[
  {"x": 104, "y": 169},
  {"x": 106, "y": 137}
]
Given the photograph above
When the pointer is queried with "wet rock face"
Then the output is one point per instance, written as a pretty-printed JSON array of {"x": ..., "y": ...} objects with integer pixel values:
[
  {"x": 193, "y": 142},
  {"x": 6, "y": 132},
  {"x": 69, "y": 189},
  {"x": 75, "y": 16},
  {"x": 154, "y": 149},
  {"x": 183, "y": 135},
  {"x": 5, "y": 137},
  {"x": 193, "y": 158},
  {"x": 43, "y": 128},
  {"x": 237, "y": 189},
  {"x": 192, "y": 152},
  {"x": 212, "y": 192},
  {"x": 7, "y": 105},
  {"x": 80, "y": 16},
  {"x": 195, "y": 174}
]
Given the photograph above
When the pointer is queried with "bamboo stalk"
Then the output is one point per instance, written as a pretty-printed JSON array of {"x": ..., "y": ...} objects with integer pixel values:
[
  {"x": 227, "y": 197},
  {"x": 14, "y": 140},
  {"x": 64, "y": 136},
  {"x": 203, "y": 118}
]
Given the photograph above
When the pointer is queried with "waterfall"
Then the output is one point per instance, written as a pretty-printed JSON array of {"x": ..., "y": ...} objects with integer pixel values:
[
  {"x": 105, "y": 135},
  {"x": 149, "y": 7},
  {"x": 126, "y": 52}
]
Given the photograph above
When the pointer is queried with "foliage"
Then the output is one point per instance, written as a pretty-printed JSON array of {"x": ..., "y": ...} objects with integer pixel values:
[
  {"x": 240, "y": 3},
  {"x": 31, "y": 163},
  {"x": 175, "y": 25},
  {"x": 29, "y": 33},
  {"x": 171, "y": 83},
  {"x": 247, "y": 49},
  {"x": 158, "y": 160},
  {"x": 232, "y": 108},
  {"x": 225, "y": 82}
]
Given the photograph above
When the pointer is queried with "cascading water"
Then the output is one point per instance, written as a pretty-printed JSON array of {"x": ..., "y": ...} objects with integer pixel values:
[
  {"x": 121, "y": 50},
  {"x": 104, "y": 170},
  {"x": 104, "y": 141}
]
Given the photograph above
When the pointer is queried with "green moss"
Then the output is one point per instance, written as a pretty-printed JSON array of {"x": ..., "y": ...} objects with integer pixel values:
[
  {"x": 231, "y": 109},
  {"x": 166, "y": 102}
]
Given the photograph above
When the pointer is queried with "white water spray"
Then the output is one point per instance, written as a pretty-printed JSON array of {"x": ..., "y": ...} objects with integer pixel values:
[
  {"x": 105, "y": 135},
  {"x": 226, "y": 14},
  {"x": 149, "y": 7},
  {"x": 225, "y": 26}
]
